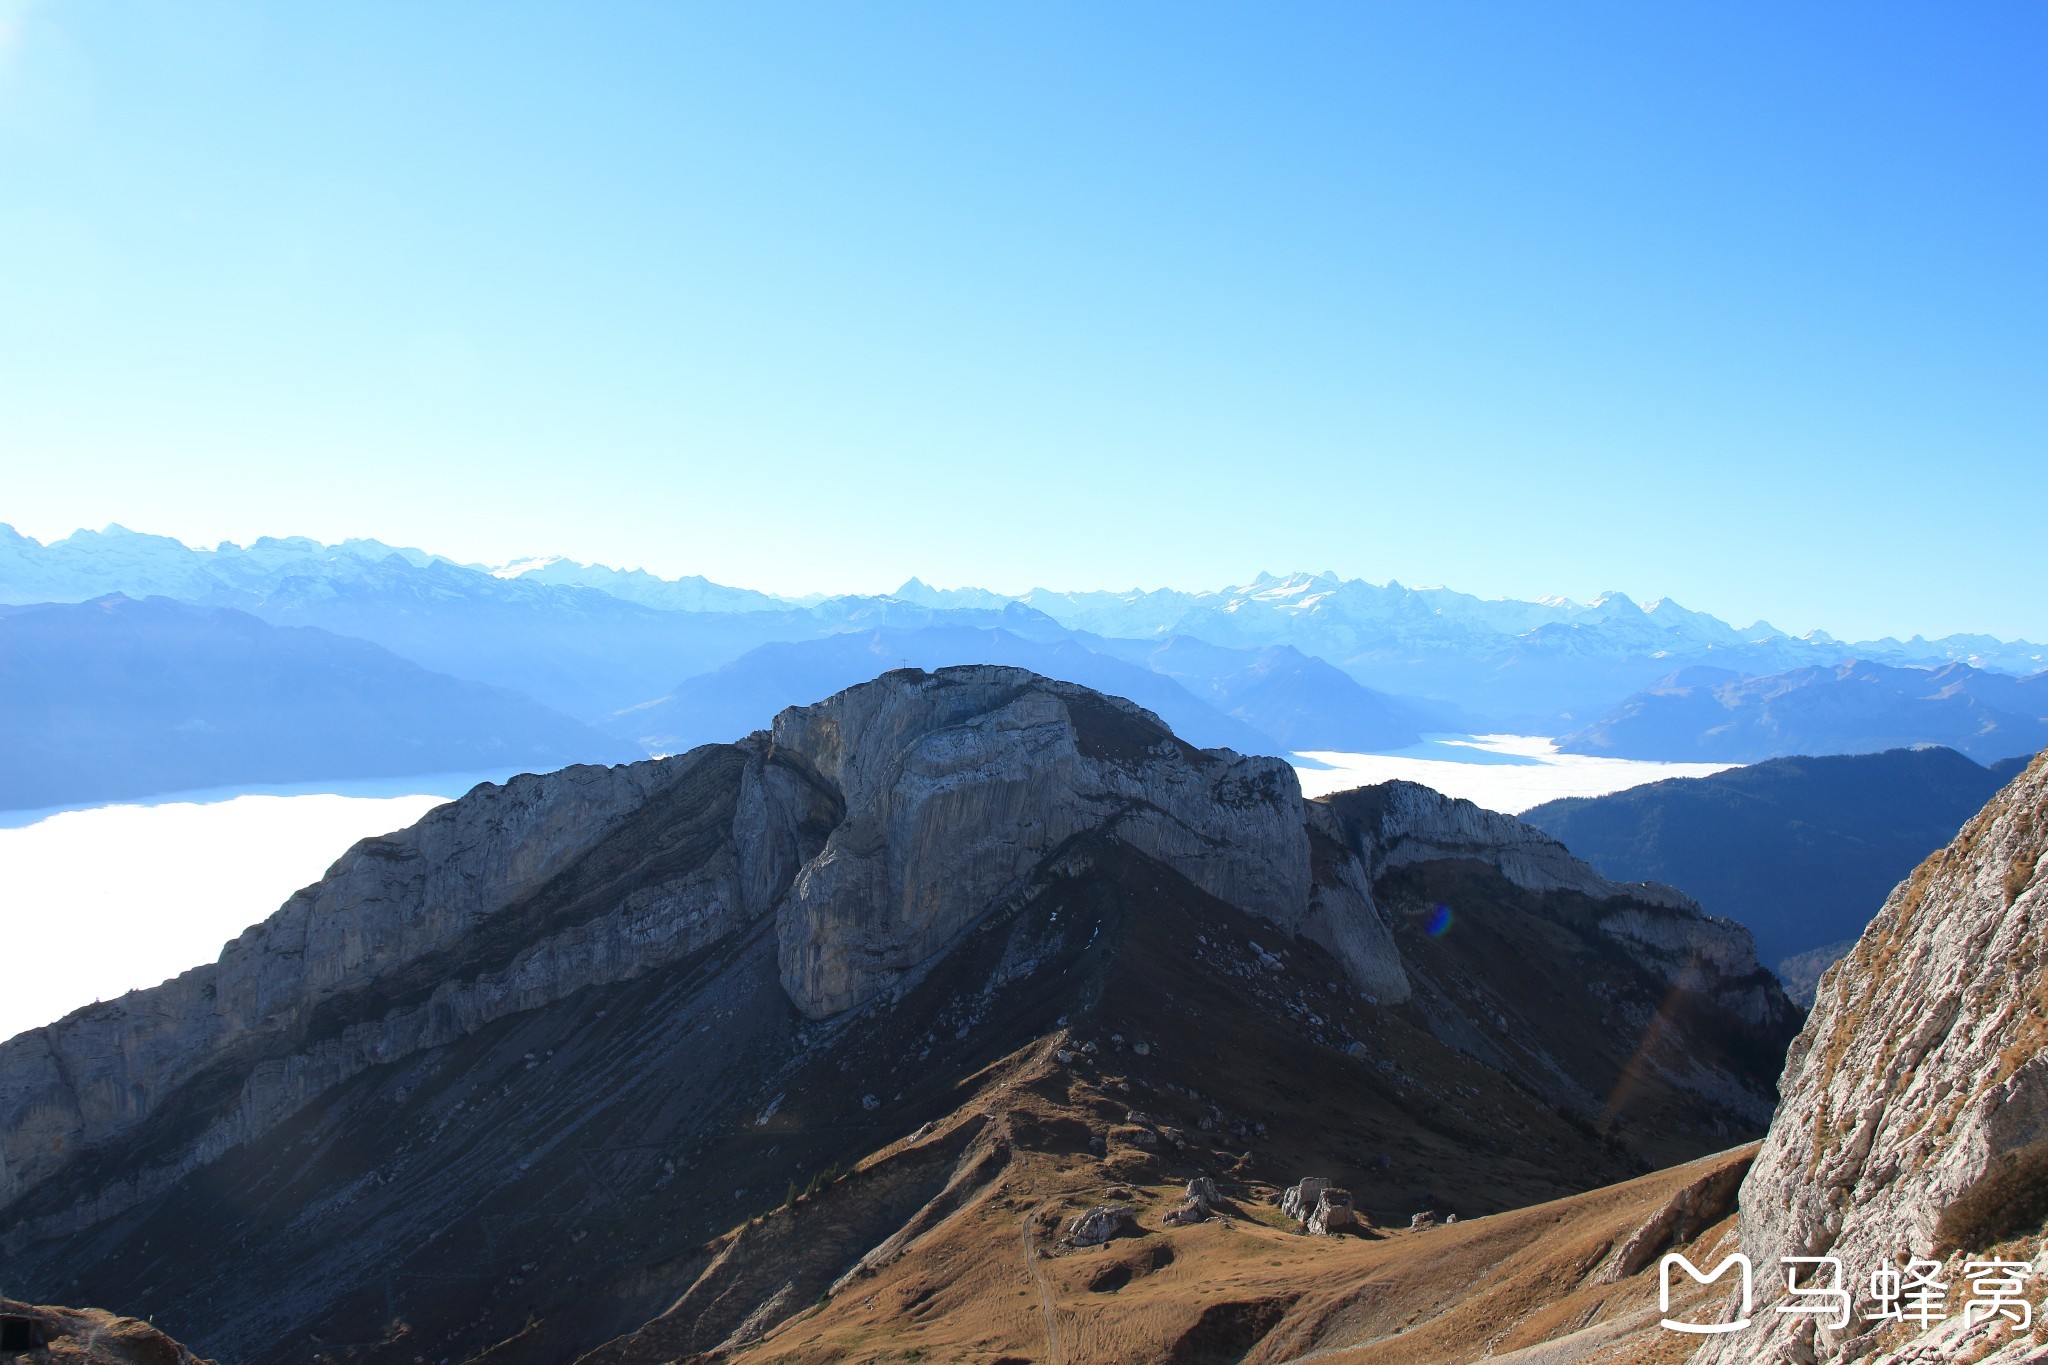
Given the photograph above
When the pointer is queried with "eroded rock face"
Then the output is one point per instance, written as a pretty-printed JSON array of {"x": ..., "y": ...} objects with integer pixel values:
[
  {"x": 958, "y": 785},
  {"x": 1915, "y": 1111},
  {"x": 575, "y": 1006},
  {"x": 1333, "y": 1213},
  {"x": 874, "y": 827},
  {"x": 1298, "y": 1200}
]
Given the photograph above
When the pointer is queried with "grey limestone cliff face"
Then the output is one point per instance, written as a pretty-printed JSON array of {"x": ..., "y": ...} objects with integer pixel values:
[
  {"x": 871, "y": 829},
  {"x": 1402, "y": 824},
  {"x": 854, "y": 841},
  {"x": 958, "y": 788},
  {"x": 1914, "y": 1120}
]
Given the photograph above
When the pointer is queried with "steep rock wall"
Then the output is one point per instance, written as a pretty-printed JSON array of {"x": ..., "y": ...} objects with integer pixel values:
[
  {"x": 1914, "y": 1119},
  {"x": 960, "y": 784}
]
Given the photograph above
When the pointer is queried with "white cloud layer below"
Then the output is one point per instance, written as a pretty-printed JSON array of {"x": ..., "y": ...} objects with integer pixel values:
[
  {"x": 116, "y": 898},
  {"x": 1508, "y": 773}
]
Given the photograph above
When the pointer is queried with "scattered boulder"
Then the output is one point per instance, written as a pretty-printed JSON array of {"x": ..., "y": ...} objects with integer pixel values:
[
  {"x": 1425, "y": 1219},
  {"x": 1332, "y": 1213},
  {"x": 1200, "y": 1203},
  {"x": 1300, "y": 1200},
  {"x": 1101, "y": 1223}
]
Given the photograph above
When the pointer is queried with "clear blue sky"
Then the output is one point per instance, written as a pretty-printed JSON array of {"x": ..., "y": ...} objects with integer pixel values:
[{"x": 1742, "y": 304}]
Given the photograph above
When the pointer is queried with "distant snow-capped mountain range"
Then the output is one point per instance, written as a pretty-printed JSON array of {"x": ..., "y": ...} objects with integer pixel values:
[
  {"x": 1268, "y": 608},
  {"x": 589, "y": 639}
]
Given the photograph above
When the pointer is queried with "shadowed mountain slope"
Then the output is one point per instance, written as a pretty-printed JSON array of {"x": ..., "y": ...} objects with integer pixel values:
[
  {"x": 646, "y": 1061},
  {"x": 115, "y": 698},
  {"x": 1802, "y": 850}
]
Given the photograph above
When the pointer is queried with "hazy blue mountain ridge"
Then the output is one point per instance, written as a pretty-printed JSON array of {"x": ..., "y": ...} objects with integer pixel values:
[
  {"x": 591, "y": 640},
  {"x": 1716, "y": 715},
  {"x": 116, "y": 699},
  {"x": 729, "y": 701},
  {"x": 1543, "y": 666},
  {"x": 1303, "y": 702},
  {"x": 1802, "y": 850}
]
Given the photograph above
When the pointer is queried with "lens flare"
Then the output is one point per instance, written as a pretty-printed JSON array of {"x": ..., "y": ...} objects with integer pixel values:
[{"x": 1439, "y": 921}]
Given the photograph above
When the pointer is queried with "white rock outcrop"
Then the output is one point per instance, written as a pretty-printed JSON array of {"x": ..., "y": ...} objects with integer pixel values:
[
  {"x": 1101, "y": 1223},
  {"x": 1298, "y": 1200},
  {"x": 1333, "y": 1213}
]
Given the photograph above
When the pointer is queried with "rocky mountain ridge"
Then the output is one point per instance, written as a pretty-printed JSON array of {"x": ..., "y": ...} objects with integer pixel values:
[{"x": 867, "y": 906}]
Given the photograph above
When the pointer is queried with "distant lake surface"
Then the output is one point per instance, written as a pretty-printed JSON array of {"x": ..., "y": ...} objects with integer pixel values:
[{"x": 107, "y": 899}]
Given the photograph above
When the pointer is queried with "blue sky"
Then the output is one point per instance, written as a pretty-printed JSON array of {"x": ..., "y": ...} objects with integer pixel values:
[{"x": 1742, "y": 304}]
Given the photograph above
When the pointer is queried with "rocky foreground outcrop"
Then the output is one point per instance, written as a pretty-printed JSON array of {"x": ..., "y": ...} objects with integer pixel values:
[
  {"x": 84, "y": 1336},
  {"x": 1914, "y": 1123},
  {"x": 526, "y": 1060}
]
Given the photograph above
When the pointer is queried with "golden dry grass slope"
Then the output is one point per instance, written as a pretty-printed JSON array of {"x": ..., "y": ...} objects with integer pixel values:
[{"x": 989, "y": 1277}]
